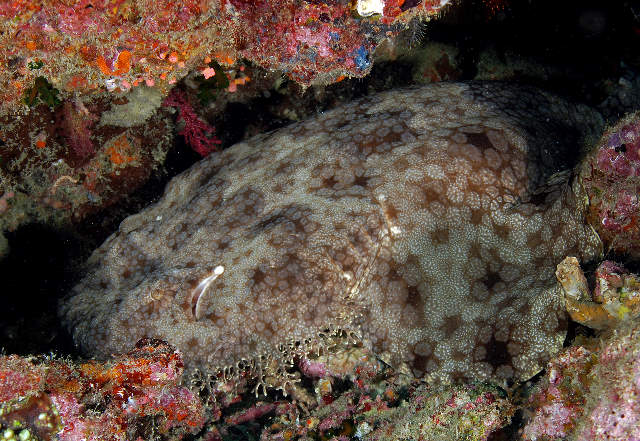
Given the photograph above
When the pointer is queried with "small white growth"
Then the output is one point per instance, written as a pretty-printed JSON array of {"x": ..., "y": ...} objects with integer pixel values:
[
  {"x": 366, "y": 8},
  {"x": 363, "y": 430},
  {"x": 111, "y": 84}
]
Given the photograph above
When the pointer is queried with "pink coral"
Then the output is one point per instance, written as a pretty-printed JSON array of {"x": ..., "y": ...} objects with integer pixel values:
[
  {"x": 590, "y": 395},
  {"x": 559, "y": 402},
  {"x": 613, "y": 411},
  {"x": 611, "y": 178}
]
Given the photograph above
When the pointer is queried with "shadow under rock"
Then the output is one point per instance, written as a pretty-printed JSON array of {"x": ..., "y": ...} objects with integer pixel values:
[{"x": 38, "y": 271}]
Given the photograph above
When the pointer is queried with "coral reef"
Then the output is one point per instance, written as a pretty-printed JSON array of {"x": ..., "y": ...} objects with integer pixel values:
[
  {"x": 84, "y": 47},
  {"x": 133, "y": 396},
  {"x": 390, "y": 412},
  {"x": 611, "y": 178},
  {"x": 62, "y": 163},
  {"x": 426, "y": 222},
  {"x": 560, "y": 397},
  {"x": 591, "y": 392}
]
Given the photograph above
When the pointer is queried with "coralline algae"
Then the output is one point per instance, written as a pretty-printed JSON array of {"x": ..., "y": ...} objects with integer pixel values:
[{"x": 427, "y": 222}]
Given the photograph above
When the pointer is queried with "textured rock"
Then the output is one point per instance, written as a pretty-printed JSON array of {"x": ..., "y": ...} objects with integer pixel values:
[{"x": 428, "y": 222}]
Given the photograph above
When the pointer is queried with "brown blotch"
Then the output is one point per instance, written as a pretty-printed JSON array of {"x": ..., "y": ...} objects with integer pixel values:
[
  {"x": 475, "y": 250},
  {"x": 416, "y": 302},
  {"x": 431, "y": 195},
  {"x": 390, "y": 211},
  {"x": 329, "y": 182},
  {"x": 192, "y": 343},
  {"x": 563, "y": 321},
  {"x": 419, "y": 363},
  {"x": 362, "y": 181},
  {"x": 459, "y": 355},
  {"x": 270, "y": 222},
  {"x": 534, "y": 240},
  {"x": 284, "y": 168},
  {"x": 476, "y": 216},
  {"x": 440, "y": 236},
  {"x": 401, "y": 164},
  {"x": 278, "y": 187},
  {"x": 450, "y": 325},
  {"x": 268, "y": 326},
  {"x": 508, "y": 301},
  {"x": 216, "y": 202},
  {"x": 414, "y": 298},
  {"x": 126, "y": 274},
  {"x": 490, "y": 279},
  {"x": 368, "y": 145},
  {"x": 214, "y": 317},
  {"x": 299, "y": 226},
  {"x": 258, "y": 276},
  {"x": 480, "y": 140},
  {"x": 393, "y": 275},
  {"x": 497, "y": 353},
  {"x": 502, "y": 231},
  {"x": 525, "y": 310},
  {"x": 543, "y": 262}
]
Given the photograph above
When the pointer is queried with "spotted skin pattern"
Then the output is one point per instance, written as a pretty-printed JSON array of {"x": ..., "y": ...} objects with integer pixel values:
[{"x": 426, "y": 221}]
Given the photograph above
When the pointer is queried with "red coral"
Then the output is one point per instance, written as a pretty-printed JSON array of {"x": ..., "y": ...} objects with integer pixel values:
[
  {"x": 197, "y": 132},
  {"x": 76, "y": 125}
]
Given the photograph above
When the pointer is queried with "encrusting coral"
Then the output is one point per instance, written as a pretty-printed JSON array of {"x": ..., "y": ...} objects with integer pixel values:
[
  {"x": 132, "y": 396},
  {"x": 611, "y": 178},
  {"x": 615, "y": 299},
  {"x": 425, "y": 222},
  {"x": 82, "y": 47},
  {"x": 591, "y": 391}
]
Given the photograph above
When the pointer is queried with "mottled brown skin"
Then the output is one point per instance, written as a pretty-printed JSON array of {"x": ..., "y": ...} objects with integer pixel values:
[{"x": 428, "y": 221}]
